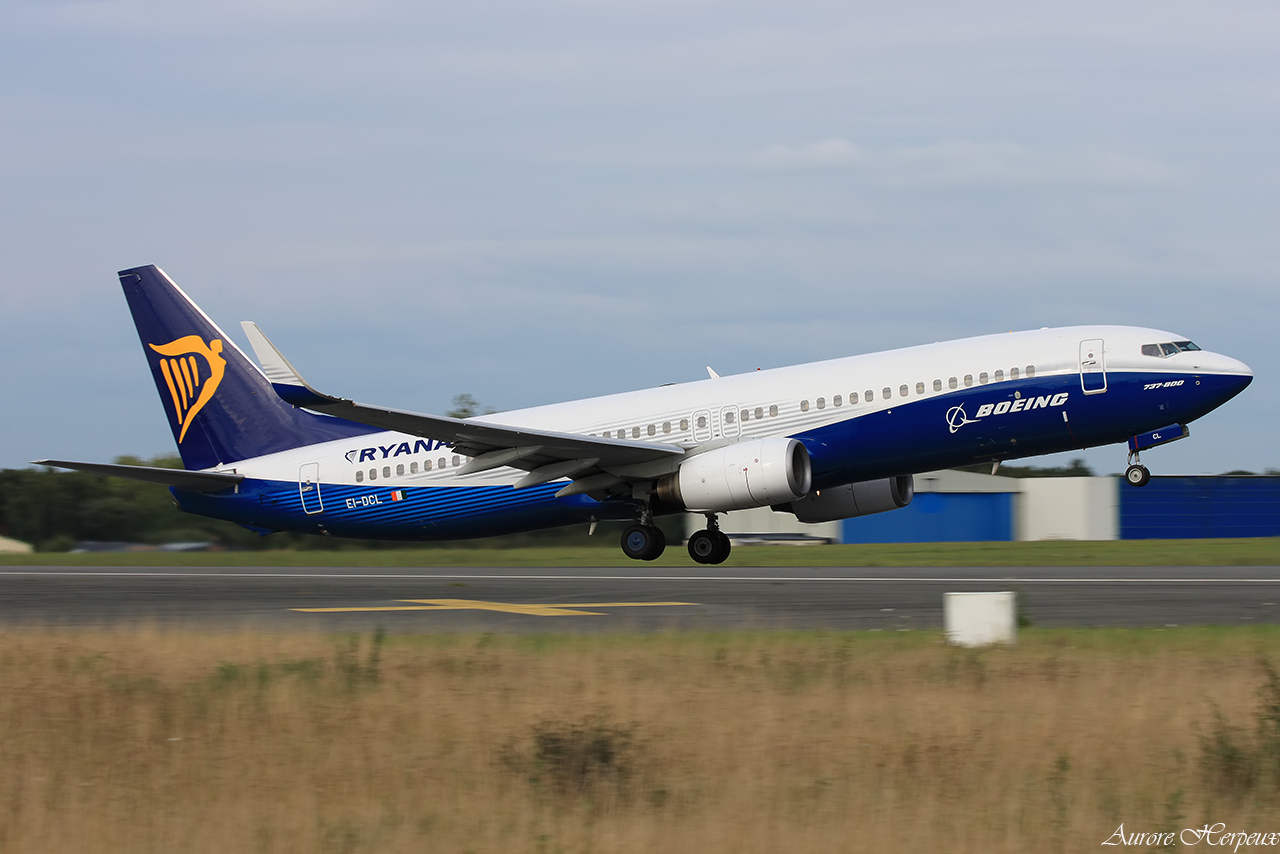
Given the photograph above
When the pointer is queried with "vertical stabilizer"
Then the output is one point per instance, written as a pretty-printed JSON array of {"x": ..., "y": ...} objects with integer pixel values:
[{"x": 220, "y": 406}]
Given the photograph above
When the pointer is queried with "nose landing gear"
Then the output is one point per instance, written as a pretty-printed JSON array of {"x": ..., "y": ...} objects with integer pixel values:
[{"x": 1136, "y": 474}]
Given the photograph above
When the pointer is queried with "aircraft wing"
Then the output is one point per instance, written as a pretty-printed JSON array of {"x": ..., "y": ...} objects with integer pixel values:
[{"x": 593, "y": 462}]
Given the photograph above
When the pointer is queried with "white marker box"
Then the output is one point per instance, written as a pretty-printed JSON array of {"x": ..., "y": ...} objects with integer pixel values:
[{"x": 980, "y": 619}]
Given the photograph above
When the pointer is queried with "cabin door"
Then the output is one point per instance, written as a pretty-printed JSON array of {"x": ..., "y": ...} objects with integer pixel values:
[
  {"x": 309, "y": 488},
  {"x": 1093, "y": 369}
]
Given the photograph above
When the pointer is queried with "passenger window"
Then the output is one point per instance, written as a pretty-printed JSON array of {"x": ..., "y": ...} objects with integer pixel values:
[
  {"x": 622, "y": 434},
  {"x": 386, "y": 471},
  {"x": 413, "y": 468},
  {"x": 886, "y": 392},
  {"x": 773, "y": 410},
  {"x": 457, "y": 461},
  {"x": 1013, "y": 373},
  {"x": 359, "y": 477},
  {"x": 968, "y": 380},
  {"x": 869, "y": 396},
  {"x": 937, "y": 385},
  {"x": 702, "y": 422},
  {"x": 426, "y": 466},
  {"x": 982, "y": 378},
  {"x": 759, "y": 412},
  {"x": 728, "y": 418},
  {"x": 400, "y": 470},
  {"x": 684, "y": 425},
  {"x": 666, "y": 426},
  {"x": 745, "y": 415},
  {"x": 1031, "y": 371},
  {"x": 951, "y": 383},
  {"x": 999, "y": 376},
  {"x": 822, "y": 403},
  {"x": 804, "y": 406},
  {"x": 373, "y": 474},
  {"x": 837, "y": 400},
  {"x": 442, "y": 462},
  {"x": 653, "y": 431},
  {"x": 902, "y": 391},
  {"x": 919, "y": 388}
]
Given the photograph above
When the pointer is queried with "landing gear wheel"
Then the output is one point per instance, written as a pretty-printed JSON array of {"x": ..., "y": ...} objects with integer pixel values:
[
  {"x": 643, "y": 542},
  {"x": 709, "y": 547},
  {"x": 1137, "y": 475},
  {"x": 725, "y": 547}
]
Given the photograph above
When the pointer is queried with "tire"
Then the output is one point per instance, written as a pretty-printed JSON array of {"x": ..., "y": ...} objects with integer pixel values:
[
  {"x": 659, "y": 544},
  {"x": 704, "y": 546},
  {"x": 643, "y": 542},
  {"x": 723, "y": 547},
  {"x": 1137, "y": 475}
]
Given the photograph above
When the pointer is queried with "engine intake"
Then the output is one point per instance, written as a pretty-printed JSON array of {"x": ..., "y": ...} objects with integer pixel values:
[
  {"x": 752, "y": 473},
  {"x": 854, "y": 499}
]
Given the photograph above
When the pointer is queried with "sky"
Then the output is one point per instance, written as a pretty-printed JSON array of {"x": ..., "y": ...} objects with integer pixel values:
[{"x": 535, "y": 202}]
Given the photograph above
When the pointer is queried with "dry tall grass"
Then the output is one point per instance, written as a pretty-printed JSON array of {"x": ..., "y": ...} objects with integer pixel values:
[{"x": 163, "y": 741}]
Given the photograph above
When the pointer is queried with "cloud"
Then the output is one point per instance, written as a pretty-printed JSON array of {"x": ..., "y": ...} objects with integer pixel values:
[
  {"x": 825, "y": 154},
  {"x": 967, "y": 163},
  {"x": 961, "y": 162}
]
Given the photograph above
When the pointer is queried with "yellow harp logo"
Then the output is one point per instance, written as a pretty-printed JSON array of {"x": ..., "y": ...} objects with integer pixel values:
[{"x": 190, "y": 386}]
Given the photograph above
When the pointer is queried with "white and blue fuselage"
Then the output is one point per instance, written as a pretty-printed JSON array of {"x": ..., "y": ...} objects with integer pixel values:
[{"x": 823, "y": 440}]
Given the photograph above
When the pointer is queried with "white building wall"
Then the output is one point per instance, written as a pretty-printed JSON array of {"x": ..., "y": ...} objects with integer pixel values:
[{"x": 1069, "y": 508}]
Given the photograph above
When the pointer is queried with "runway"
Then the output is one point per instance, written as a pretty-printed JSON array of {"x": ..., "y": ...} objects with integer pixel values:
[{"x": 637, "y": 598}]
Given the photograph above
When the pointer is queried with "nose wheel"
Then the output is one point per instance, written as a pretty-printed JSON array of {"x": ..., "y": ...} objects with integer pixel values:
[{"x": 1136, "y": 474}]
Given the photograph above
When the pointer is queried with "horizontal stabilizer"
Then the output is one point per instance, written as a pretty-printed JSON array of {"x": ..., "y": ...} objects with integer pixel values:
[{"x": 196, "y": 481}]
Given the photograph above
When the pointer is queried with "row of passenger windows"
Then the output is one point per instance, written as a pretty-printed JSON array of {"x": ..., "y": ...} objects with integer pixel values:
[
  {"x": 868, "y": 396},
  {"x": 904, "y": 390},
  {"x": 701, "y": 423},
  {"x": 443, "y": 463}
]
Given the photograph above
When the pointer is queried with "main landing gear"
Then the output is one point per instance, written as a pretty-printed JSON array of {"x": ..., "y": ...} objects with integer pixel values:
[
  {"x": 643, "y": 542},
  {"x": 709, "y": 545}
]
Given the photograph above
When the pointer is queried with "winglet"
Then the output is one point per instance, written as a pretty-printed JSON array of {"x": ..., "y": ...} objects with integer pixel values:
[{"x": 284, "y": 378}]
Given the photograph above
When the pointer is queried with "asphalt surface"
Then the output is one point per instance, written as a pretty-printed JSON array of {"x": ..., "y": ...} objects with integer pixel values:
[{"x": 638, "y": 598}]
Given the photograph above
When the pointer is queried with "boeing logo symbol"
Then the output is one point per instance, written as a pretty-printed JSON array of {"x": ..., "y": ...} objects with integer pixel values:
[{"x": 957, "y": 417}]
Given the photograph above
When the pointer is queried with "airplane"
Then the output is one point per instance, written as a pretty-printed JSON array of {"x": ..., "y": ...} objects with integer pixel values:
[{"x": 823, "y": 441}]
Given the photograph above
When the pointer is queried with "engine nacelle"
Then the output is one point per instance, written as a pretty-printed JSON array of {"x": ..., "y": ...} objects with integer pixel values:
[
  {"x": 752, "y": 473},
  {"x": 854, "y": 499}
]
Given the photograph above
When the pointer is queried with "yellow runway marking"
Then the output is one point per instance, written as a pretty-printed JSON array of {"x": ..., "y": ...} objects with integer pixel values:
[{"x": 573, "y": 609}]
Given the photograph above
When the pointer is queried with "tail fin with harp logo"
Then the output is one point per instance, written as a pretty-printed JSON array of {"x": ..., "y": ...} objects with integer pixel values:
[{"x": 220, "y": 406}]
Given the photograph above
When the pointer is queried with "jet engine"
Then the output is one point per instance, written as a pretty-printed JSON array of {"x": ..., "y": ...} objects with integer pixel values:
[
  {"x": 751, "y": 473},
  {"x": 853, "y": 499}
]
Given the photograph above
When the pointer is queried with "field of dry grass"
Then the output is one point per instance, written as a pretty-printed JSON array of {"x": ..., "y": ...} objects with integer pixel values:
[{"x": 163, "y": 741}]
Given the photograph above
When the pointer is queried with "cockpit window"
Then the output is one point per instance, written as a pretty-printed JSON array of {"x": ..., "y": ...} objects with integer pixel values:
[{"x": 1169, "y": 348}]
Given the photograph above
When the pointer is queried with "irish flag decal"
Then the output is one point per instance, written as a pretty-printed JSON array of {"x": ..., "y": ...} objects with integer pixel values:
[{"x": 397, "y": 495}]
